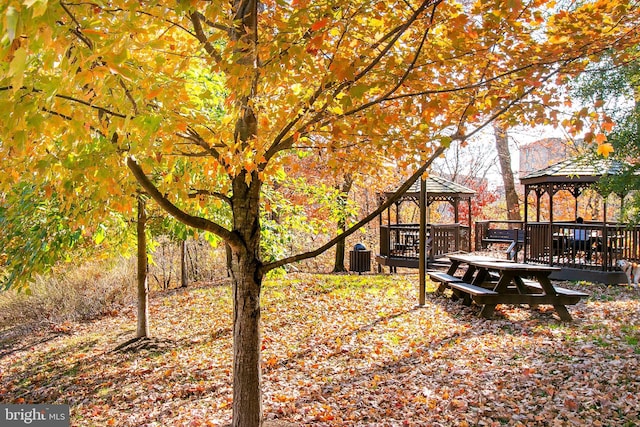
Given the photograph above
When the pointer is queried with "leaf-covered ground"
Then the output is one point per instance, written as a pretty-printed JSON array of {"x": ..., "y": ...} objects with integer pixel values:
[{"x": 343, "y": 350}]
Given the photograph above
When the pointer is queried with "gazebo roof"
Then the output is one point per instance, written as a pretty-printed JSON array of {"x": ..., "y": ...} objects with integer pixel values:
[
  {"x": 574, "y": 170},
  {"x": 438, "y": 186}
]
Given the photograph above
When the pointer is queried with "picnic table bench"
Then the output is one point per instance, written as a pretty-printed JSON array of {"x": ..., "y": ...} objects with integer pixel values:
[{"x": 561, "y": 291}]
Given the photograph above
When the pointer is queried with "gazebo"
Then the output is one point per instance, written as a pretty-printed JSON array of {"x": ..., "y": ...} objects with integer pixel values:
[
  {"x": 399, "y": 242},
  {"x": 585, "y": 250}
]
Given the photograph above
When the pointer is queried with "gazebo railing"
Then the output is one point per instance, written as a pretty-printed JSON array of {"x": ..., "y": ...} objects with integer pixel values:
[
  {"x": 399, "y": 240},
  {"x": 402, "y": 240},
  {"x": 589, "y": 246}
]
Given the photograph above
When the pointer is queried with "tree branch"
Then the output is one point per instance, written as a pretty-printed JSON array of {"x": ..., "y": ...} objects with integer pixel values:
[
  {"x": 193, "y": 136},
  {"x": 399, "y": 83},
  {"x": 190, "y": 220},
  {"x": 127, "y": 93},
  {"x": 88, "y": 104},
  {"x": 213, "y": 24},
  {"x": 78, "y": 30},
  {"x": 202, "y": 37},
  {"x": 215, "y": 194}
]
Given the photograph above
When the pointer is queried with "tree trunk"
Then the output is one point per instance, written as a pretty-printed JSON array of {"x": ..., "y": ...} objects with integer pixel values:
[
  {"x": 143, "y": 284},
  {"x": 184, "y": 277},
  {"x": 246, "y": 270},
  {"x": 504, "y": 156},
  {"x": 247, "y": 281},
  {"x": 338, "y": 266},
  {"x": 229, "y": 255},
  {"x": 342, "y": 223}
]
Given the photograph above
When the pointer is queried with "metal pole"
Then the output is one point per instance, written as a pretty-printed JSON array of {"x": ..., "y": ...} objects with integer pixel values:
[{"x": 422, "y": 261}]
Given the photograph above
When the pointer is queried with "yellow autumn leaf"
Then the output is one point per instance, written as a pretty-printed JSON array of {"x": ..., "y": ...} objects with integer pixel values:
[
  {"x": 605, "y": 149},
  {"x": 16, "y": 68}
]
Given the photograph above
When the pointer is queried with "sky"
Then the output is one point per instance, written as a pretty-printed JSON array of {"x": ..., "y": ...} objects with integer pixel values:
[{"x": 484, "y": 147}]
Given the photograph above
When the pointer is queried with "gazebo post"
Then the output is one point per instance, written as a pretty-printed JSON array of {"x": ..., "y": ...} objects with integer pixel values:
[
  {"x": 456, "y": 220},
  {"x": 422, "y": 243},
  {"x": 456, "y": 213},
  {"x": 526, "y": 218},
  {"x": 551, "y": 194},
  {"x": 605, "y": 235},
  {"x": 470, "y": 230}
]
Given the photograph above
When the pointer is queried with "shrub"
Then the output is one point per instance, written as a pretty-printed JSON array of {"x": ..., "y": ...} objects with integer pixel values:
[{"x": 84, "y": 292}]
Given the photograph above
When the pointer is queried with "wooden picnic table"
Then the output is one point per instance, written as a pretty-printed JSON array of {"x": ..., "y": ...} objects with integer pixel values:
[{"x": 511, "y": 283}]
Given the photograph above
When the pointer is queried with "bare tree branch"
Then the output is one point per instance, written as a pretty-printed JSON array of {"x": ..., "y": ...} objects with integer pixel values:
[{"x": 77, "y": 31}]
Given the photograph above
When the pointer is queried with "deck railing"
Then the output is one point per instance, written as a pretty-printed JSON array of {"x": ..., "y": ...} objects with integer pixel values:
[{"x": 589, "y": 246}]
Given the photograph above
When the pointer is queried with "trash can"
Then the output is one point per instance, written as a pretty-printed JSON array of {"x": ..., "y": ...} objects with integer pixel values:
[{"x": 360, "y": 259}]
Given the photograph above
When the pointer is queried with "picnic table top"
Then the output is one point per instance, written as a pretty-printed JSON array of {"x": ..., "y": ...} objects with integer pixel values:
[
  {"x": 514, "y": 266},
  {"x": 470, "y": 259},
  {"x": 493, "y": 263}
]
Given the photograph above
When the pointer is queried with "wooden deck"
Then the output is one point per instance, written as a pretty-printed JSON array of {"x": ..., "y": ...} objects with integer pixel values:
[
  {"x": 593, "y": 260},
  {"x": 589, "y": 251}
]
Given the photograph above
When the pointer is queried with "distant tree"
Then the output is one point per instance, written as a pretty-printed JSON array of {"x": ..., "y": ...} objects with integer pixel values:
[
  {"x": 470, "y": 165},
  {"x": 613, "y": 87},
  {"x": 344, "y": 189},
  {"x": 504, "y": 158}
]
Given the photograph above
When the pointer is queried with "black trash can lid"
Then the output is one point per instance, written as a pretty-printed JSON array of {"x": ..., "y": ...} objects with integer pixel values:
[{"x": 359, "y": 247}]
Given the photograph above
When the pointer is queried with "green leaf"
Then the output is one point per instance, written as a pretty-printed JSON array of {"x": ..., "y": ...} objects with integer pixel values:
[
  {"x": 358, "y": 90},
  {"x": 16, "y": 68},
  {"x": 445, "y": 141},
  {"x": 39, "y": 6},
  {"x": 120, "y": 57},
  {"x": 100, "y": 234}
]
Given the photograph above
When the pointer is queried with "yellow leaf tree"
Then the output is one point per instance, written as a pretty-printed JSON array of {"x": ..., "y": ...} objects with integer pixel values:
[{"x": 215, "y": 97}]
